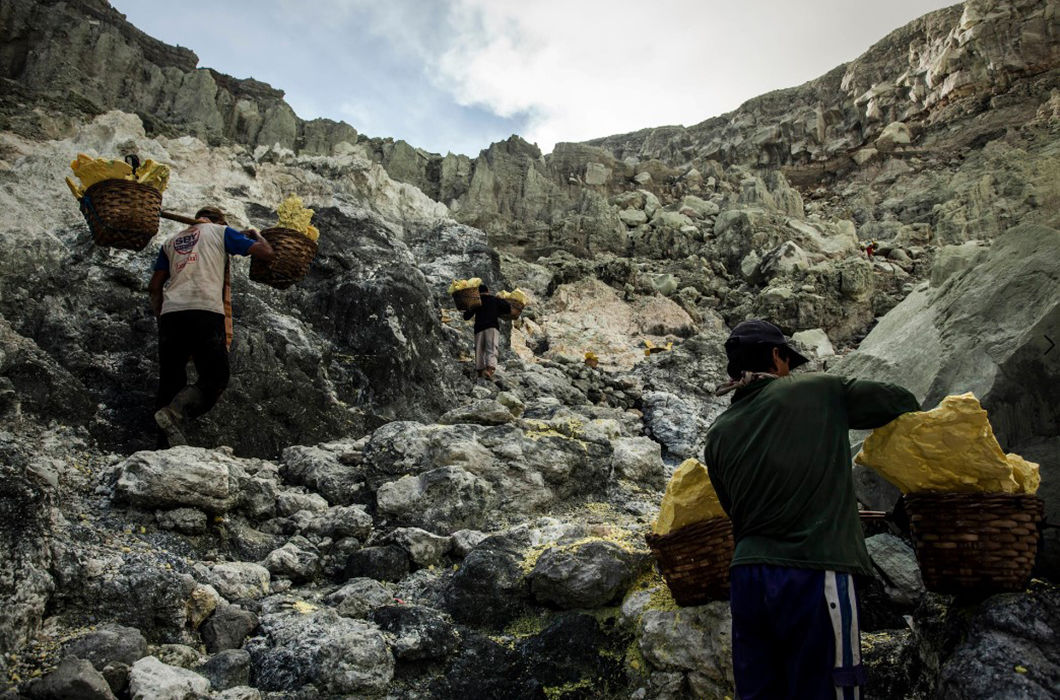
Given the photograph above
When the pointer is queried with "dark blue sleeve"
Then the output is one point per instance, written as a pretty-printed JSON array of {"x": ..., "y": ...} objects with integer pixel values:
[
  {"x": 236, "y": 243},
  {"x": 162, "y": 261}
]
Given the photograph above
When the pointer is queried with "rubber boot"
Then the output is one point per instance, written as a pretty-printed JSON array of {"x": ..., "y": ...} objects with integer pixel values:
[{"x": 171, "y": 418}]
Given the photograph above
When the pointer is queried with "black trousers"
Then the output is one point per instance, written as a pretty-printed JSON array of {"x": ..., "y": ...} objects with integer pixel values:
[{"x": 198, "y": 336}]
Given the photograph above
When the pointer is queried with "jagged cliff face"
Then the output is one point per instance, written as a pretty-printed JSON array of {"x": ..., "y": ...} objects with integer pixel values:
[{"x": 82, "y": 58}]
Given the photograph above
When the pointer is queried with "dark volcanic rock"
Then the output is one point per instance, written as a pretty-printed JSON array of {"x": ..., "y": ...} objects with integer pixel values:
[
  {"x": 489, "y": 589},
  {"x": 25, "y": 582},
  {"x": 227, "y": 628},
  {"x": 421, "y": 633},
  {"x": 582, "y": 576},
  {"x": 74, "y": 679},
  {"x": 227, "y": 669},
  {"x": 386, "y": 563},
  {"x": 109, "y": 643}
]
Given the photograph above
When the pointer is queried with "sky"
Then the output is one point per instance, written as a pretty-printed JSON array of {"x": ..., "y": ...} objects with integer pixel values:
[{"x": 457, "y": 75}]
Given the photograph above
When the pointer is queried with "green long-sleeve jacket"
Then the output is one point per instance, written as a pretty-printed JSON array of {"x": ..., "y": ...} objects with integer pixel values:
[{"x": 779, "y": 458}]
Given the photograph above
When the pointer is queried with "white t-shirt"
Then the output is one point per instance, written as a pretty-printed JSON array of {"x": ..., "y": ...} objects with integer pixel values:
[{"x": 196, "y": 259}]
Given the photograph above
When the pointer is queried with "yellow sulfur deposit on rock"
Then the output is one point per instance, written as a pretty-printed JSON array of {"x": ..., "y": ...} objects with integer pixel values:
[
  {"x": 518, "y": 296},
  {"x": 89, "y": 171},
  {"x": 949, "y": 448},
  {"x": 689, "y": 498},
  {"x": 459, "y": 285},
  {"x": 293, "y": 215}
]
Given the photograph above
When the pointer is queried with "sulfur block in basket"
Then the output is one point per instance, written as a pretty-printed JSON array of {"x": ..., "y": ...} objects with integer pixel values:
[
  {"x": 951, "y": 448},
  {"x": 689, "y": 498}
]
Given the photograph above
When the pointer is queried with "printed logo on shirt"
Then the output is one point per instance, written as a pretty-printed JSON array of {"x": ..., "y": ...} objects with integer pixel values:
[
  {"x": 186, "y": 243},
  {"x": 190, "y": 259}
]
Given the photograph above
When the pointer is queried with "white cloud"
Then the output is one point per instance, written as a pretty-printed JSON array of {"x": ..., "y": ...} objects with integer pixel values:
[{"x": 588, "y": 68}]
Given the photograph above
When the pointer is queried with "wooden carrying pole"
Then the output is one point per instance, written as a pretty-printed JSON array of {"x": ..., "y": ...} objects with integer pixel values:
[{"x": 177, "y": 217}]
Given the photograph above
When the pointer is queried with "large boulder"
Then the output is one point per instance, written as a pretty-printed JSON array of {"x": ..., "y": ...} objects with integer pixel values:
[
  {"x": 334, "y": 654},
  {"x": 181, "y": 477},
  {"x": 987, "y": 329}
]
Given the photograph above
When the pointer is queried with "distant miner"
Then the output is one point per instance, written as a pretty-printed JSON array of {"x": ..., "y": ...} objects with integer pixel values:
[
  {"x": 487, "y": 330},
  {"x": 190, "y": 295},
  {"x": 779, "y": 459}
]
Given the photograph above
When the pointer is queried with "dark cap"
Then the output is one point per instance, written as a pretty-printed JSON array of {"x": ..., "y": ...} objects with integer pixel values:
[{"x": 757, "y": 332}]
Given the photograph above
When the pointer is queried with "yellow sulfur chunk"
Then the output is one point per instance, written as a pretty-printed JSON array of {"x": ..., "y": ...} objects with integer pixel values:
[
  {"x": 458, "y": 285},
  {"x": 949, "y": 448},
  {"x": 78, "y": 191},
  {"x": 1025, "y": 473},
  {"x": 153, "y": 174},
  {"x": 518, "y": 296},
  {"x": 312, "y": 233},
  {"x": 91, "y": 170},
  {"x": 689, "y": 498},
  {"x": 293, "y": 215}
]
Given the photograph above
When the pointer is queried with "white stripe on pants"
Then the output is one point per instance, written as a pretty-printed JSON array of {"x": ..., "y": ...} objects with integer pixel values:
[
  {"x": 486, "y": 349},
  {"x": 838, "y": 607}
]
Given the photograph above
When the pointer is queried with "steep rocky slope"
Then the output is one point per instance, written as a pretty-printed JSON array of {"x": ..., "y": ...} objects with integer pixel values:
[{"x": 358, "y": 517}]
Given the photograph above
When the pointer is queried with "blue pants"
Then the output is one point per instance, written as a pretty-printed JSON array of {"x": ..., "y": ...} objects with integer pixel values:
[{"x": 795, "y": 634}]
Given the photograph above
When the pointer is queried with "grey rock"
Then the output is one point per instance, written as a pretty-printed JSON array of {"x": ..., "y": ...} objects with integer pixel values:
[
  {"x": 587, "y": 575},
  {"x": 424, "y": 548},
  {"x": 440, "y": 500},
  {"x": 238, "y": 580},
  {"x": 181, "y": 476},
  {"x": 695, "y": 640},
  {"x": 179, "y": 655},
  {"x": 227, "y": 628},
  {"x": 243, "y": 692},
  {"x": 150, "y": 679},
  {"x": 290, "y": 502},
  {"x": 489, "y": 588},
  {"x": 419, "y": 632},
  {"x": 463, "y": 541},
  {"x": 992, "y": 639},
  {"x": 107, "y": 644},
  {"x": 330, "y": 469},
  {"x": 227, "y": 669},
  {"x": 639, "y": 460},
  {"x": 897, "y": 567},
  {"x": 333, "y": 654},
  {"x": 674, "y": 423},
  {"x": 73, "y": 679},
  {"x": 484, "y": 412},
  {"x": 190, "y": 521},
  {"x": 343, "y": 521},
  {"x": 25, "y": 581},
  {"x": 298, "y": 561},
  {"x": 359, "y": 596},
  {"x": 386, "y": 563}
]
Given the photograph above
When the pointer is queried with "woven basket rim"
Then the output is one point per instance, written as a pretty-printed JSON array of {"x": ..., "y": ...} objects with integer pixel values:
[
  {"x": 692, "y": 531},
  {"x": 120, "y": 182}
]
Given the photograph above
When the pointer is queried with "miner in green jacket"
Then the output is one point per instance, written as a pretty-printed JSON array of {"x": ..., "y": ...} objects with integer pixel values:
[{"x": 779, "y": 458}]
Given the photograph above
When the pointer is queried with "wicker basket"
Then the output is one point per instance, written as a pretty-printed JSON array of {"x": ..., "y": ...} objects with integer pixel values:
[
  {"x": 122, "y": 213},
  {"x": 517, "y": 308},
  {"x": 293, "y": 251},
  {"x": 695, "y": 560},
  {"x": 467, "y": 299},
  {"x": 974, "y": 542}
]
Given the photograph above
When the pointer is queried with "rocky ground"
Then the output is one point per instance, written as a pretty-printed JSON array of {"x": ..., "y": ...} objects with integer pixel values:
[{"x": 358, "y": 516}]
